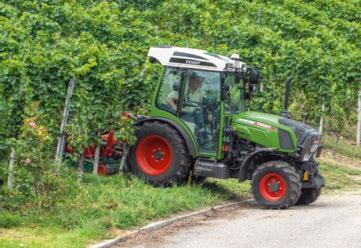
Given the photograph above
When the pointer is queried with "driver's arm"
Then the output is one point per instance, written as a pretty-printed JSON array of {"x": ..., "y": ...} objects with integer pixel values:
[{"x": 172, "y": 99}]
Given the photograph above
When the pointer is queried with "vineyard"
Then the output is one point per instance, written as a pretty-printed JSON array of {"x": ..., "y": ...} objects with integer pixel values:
[{"x": 102, "y": 45}]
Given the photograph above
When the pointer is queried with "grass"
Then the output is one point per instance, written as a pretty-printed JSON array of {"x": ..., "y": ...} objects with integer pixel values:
[
  {"x": 340, "y": 165},
  {"x": 340, "y": 178},
  {"x": 344, "y": 147},
  {"x": 102, "y": 207}
]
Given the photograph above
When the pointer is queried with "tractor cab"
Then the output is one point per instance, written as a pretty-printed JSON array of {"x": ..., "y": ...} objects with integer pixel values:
[{"x": 197, "y": 90}]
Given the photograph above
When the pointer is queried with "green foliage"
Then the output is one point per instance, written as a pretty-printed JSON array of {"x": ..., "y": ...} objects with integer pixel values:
[
  {"x": 103, "y": 45},
  {"x": 8, "y": 220}
]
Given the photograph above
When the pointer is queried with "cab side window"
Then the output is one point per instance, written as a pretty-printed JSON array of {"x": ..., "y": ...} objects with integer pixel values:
[
  {"x": 234, "y": 104},
  {"x": 169, "y": 90}
]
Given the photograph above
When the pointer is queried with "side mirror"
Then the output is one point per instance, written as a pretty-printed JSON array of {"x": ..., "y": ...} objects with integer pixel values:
[{"x": 254, "y": 76}]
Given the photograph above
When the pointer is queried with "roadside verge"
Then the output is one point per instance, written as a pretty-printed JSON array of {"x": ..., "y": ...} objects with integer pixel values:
[{"x": 153, "y": 226}]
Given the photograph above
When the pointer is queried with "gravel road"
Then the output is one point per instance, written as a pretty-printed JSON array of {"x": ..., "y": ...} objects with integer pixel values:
[{"x": 333, "y": 221}]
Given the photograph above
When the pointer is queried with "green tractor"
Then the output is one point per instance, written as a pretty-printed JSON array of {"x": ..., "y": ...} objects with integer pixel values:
[{"x": 199, "y": 127}]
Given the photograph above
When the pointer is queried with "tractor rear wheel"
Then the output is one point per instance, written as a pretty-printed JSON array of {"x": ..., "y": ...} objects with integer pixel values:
[
  {"x": 160, "y": 155},
  {"x": 276, "y": 185},
  {"x": 308, "y": 196}
]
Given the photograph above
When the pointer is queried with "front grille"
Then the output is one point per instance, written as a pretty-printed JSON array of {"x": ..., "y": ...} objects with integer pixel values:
[
  {"x": 306, "y": 135},
  {"x": 308, "y": 142}
]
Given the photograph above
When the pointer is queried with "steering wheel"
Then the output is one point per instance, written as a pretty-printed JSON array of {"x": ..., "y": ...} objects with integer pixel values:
[{"x": 191, "y": 103}]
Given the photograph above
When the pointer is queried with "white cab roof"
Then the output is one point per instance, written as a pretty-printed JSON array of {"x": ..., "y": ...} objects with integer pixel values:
[{"x": 189, "y": 58}]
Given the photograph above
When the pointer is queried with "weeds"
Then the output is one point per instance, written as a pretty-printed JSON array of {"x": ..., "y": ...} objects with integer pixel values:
[{"x": 344, "y": 147}]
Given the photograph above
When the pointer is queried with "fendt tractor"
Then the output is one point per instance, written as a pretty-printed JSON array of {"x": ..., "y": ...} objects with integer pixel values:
[{"x": 199, "y": 127}]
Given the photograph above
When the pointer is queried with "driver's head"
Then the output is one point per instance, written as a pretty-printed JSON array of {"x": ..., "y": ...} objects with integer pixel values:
[{"x": 195, "y": 81}]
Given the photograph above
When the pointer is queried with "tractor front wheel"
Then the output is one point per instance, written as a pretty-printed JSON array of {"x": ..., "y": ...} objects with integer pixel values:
[
  {"x": 160, "y": 155},
  {"x": 276, "y": 185}
]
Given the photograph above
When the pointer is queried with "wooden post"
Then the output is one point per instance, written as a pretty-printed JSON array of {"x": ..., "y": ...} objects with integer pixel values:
[
  {"x": 81, "y": 168},
  {"x": 61, "y": 138},
  {"x": 320, "y": 128},
  {"x": 124, "y": 157},
  {"x": 96, "y": 157},
  {"x": 11, "y": 169},
  {"x": 358, "y": 132}
]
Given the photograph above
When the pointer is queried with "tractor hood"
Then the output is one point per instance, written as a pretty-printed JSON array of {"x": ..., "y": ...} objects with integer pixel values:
[
  {"x": 264, "y": 130},
  {"x": 276, "y": 132},
  {"x": 257, "y": 119},
  {"x": 301, "y": 130}
]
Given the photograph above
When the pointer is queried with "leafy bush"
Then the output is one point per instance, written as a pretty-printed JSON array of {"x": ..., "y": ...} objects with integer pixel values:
[{"x": 8, "y": 220}]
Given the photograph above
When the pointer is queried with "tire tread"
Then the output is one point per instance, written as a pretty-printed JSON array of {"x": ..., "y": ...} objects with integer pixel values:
[
  {"x": 183, "y": 168},
  {"x": 294, "y": 186}
]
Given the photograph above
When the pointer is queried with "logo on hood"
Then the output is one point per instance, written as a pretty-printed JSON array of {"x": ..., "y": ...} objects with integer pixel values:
[{"x": 258, "y": 124}]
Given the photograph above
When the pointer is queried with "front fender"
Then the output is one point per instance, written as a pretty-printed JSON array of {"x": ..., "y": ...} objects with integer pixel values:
[{"x": 247, "y": 162}]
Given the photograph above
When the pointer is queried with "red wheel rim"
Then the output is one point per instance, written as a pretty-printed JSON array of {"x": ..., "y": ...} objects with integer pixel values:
[
  {"x": 272, "y": 187},
  {"x": 154, "y": 155}
]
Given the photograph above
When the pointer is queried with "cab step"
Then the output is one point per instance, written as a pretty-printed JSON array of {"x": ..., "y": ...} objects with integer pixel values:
[{"x": 209, "y": 168}]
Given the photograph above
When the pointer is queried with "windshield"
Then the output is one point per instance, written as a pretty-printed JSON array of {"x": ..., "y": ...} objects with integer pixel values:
[{"x": 235, "y": 103}]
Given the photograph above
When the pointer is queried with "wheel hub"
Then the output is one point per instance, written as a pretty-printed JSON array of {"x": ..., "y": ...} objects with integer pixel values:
[
  {"x": 272, "y": 187},
  {"x": 158, "y": 154},
  {"x": 154, "y": 155}
]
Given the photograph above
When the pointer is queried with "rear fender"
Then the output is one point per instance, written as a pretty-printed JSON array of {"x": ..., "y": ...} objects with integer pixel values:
[{"x": 190, "y": 146}]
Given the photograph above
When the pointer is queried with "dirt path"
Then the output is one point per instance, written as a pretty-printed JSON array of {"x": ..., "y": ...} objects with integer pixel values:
[{"x": 333, "y": 221}]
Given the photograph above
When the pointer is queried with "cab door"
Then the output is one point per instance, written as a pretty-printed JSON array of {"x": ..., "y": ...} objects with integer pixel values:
[{"x": 200, "y": 108}]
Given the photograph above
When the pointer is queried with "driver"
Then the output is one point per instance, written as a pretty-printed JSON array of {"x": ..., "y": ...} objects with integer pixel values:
[{"x": 195, "y": 92}]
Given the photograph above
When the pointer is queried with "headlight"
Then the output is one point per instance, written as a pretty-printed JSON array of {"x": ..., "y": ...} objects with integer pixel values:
[
  {"x": 310, "y": 150},
  {"x": 315, "y": 146},
  {"x": 306, "y": 157}
]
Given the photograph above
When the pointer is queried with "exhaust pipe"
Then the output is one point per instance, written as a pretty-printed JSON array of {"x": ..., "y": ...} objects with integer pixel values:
[{"x": 286, "y": 100}]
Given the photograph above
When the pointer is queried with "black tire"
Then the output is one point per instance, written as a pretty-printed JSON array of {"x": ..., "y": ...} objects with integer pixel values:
[
  {"x": 179, "y": 168},
  {"x": 290, "y": 180},
  {"x": 308, "y": 196}
]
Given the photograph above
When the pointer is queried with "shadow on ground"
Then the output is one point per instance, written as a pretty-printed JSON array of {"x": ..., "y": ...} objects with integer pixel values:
[{"x": 215, "y": 188}]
